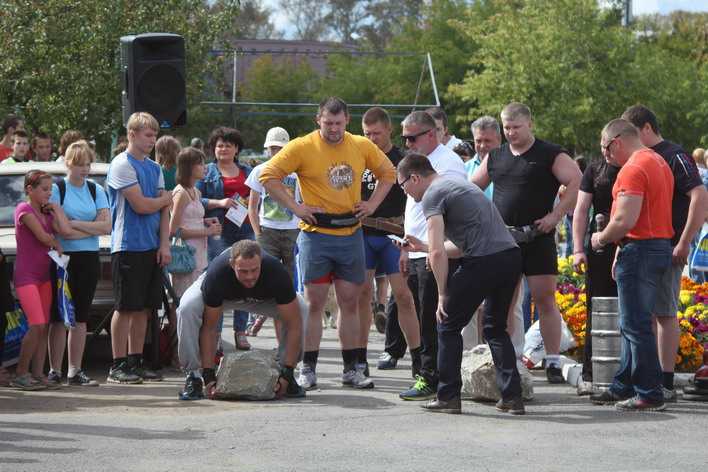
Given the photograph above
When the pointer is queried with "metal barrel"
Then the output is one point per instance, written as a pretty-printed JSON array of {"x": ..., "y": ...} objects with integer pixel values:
[{"x": 605, "y": 341}]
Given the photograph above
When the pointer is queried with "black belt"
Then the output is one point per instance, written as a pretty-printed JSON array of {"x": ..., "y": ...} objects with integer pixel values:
[{"x": 335, "y": 221}]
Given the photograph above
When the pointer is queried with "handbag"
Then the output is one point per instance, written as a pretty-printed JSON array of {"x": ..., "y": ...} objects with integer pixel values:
[
  {"x": 699, "y": 260},
  {"x": 16, "y": 329},
  {"x": 183, "y": 261}
]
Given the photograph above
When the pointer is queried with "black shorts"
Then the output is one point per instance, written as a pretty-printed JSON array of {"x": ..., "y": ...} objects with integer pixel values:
[
  {"x": 84, "y": 270},
  {"x": 137, "y": 280},
  {"x": 540, "y": 256}
]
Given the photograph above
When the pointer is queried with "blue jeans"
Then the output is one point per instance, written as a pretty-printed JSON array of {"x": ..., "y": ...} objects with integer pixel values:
[{"x": 637, "y": 271}]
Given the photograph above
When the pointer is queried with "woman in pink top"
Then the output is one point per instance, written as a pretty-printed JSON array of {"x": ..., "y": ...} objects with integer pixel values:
[
  {"x": 188, "y": 215},
  {"x": 36, "y": 222}
]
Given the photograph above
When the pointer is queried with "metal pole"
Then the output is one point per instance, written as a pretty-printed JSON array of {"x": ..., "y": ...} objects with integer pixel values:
[
  {"x": 235, "y": 79},
  {"x": 432, "y": 79},
  {"x": 310, "y": 105}
]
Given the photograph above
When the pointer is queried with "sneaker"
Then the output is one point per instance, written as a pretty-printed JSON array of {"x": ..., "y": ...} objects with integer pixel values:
[
  {"x": 307, "y": 378},
  {"x": 453, "y": 406},
  {"x": 640, "y": 404},
  {"x": 123, "y": 374},
  {"x": 584, "y": 388},
  {"x": 53, "y": 379},
  {"x": 421, "y": 390},
  {"x": 241, "y": 342},
  {"x": 606, "y": 398},
  {"x": 515, "y": 406},
  {"x": 193, "y": 388},
  {"x": 294, "y": 390},
  {"x": 257, "y": 325},
  {"x": 554, "y": 374},
  {"x": 380, "y": 319},
  {"x": 386, "y": 362},
  {"x": 669, "y": 395},
  {"x": 49, "y": 384},
  {"x": 27, "y": 383},
  {"x": 139, "y": 369},
  {"x": 356, "y": 378},
  {"x": 81, "y": 380}
]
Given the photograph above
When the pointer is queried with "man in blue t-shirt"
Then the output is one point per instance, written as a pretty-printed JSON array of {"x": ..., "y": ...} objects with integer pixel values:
[{"x": 139, "y": 246}]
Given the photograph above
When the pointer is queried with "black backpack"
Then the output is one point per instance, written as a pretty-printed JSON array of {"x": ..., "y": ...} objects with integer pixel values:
[{"x": 61, "y": 183}]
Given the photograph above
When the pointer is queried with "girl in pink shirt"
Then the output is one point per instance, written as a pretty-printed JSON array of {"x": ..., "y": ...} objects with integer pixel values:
[{"x": 36, "y": 223}]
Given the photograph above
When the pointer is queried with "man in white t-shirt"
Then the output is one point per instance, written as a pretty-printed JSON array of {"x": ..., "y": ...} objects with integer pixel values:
[
  {"x": 419, "y": 135},
  {"x": 275, "y": 226}
]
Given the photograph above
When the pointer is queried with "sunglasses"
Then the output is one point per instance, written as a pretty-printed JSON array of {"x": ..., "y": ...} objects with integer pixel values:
[
  {"x": 403, "y": 184},
  {"x": 606, "y": 147},
  {"x": 413, "y": 137}
]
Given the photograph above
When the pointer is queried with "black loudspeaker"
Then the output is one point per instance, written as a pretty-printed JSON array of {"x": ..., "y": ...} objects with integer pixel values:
[{"x": 152, "y": 71}]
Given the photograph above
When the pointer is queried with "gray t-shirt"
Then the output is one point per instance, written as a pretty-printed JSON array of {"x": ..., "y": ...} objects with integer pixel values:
[{"x": 472, "y": 222}]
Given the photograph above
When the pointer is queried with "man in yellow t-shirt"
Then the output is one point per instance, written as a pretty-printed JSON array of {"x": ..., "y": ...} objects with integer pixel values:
[{"x": 329, "y": 163}]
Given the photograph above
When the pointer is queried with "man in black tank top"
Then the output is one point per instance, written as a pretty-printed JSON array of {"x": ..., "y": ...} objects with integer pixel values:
[{"x": 527, "y": 173}]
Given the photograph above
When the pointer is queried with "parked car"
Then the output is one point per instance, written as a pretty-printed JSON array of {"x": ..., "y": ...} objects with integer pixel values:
[{"x": 12, "y": 192}]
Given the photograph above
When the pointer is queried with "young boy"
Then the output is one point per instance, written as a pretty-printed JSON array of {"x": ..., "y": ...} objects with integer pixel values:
[
  {"x": 42, "y": 147},
  {"x": 139, "y": 247},
  {"x": 20, "y": 147}
]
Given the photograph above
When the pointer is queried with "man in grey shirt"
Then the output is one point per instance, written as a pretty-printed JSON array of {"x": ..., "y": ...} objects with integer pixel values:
[{"x": 490, "y": 267}]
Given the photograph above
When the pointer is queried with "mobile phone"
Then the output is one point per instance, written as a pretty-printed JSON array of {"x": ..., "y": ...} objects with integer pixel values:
[{"x": 398, "y": 239}]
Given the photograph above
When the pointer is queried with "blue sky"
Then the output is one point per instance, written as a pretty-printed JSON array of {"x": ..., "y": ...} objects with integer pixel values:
[{"x": 639, "y": 7}]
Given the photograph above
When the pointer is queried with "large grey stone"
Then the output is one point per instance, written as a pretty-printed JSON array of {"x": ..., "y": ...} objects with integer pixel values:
[
  {"x": 247, "y": 375},
  {"x": 479, "y": 376}
]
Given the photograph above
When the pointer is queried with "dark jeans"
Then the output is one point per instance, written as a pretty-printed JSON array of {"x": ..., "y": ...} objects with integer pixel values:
[
  {"x": 638, "y": 268},
  {"x": 598, "y": 283},
  {"x": 395, "y": 341},
  {"x": 492, "y": 278},
  {"x": 421, "y": 282}
]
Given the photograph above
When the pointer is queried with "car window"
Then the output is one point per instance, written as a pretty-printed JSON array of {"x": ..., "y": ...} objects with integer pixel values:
[{"x": 12, "y": 193}]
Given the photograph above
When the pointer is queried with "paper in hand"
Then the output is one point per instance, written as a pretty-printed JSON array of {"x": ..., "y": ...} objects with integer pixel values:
[{"x": 237, "y": 214}]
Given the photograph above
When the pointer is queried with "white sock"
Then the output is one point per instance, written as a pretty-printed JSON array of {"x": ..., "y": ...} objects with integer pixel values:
[
  {"x": 73, "y": 370},
  {"x": 553, "y": 359}
]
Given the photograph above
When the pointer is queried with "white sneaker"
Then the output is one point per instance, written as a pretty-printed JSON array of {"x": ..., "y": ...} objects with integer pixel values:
[
  {"x": 356, "y": 378},
  {"x": 307, "y": 378}
]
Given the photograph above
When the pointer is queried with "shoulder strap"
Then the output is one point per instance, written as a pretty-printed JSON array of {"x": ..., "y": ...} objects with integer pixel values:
[
  {"x": 61, "y": 183},
  {"x": 92, "y": 189}
]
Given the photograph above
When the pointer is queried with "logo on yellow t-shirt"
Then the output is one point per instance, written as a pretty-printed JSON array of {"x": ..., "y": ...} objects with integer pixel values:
[{"x": 341, "y": 176}]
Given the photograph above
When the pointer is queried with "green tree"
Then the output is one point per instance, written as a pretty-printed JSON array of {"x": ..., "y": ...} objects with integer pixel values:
[
  {"x": 567, "y": 59},
  {"x": 276, "y": 80},
  {"x": 60, "y": 66}
]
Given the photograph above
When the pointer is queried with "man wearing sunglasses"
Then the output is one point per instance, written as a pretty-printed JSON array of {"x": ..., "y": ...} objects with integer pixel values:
[
  {"x": 419, "y": 136},
  {"x": 527, "y": 174},
  {"x": 688, "y": 211},
  {"x": 461, "y": 223},
  {"x": 640, "y": 224}
]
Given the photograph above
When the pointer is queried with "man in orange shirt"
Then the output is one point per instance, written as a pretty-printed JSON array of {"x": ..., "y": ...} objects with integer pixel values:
[{"x": 640, "y": 223}]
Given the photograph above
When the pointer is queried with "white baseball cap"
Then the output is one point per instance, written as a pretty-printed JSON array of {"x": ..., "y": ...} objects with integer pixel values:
[{"x": 276, "y": 137}]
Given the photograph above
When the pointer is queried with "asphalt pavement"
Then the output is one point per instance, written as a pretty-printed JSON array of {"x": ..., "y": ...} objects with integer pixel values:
[{"x": 145, "y": 428}]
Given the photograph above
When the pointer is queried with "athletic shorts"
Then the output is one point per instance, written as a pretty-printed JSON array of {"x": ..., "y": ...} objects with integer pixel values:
[
  {"x": 540, "y": 256},
  {"x": 137, "y": 280},
  {"x": 667, "y": 291},
  {"x": 324, "y": 254},
  {"x": 84, "y": 271},
  {"x": 381, "y": 255}
]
